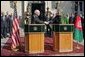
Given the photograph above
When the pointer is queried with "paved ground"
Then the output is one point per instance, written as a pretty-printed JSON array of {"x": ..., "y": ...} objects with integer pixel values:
[
  {"x": 4, "y": 40},
  {"x": 76, "y": 54}
]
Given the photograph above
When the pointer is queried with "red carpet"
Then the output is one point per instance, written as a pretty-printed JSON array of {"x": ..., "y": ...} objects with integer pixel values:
[{"x": 6, "y": 51}]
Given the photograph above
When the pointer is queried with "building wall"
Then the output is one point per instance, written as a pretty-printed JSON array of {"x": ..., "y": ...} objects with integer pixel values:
[
  {"x": 66, "y": 7},
  {"x": 5, "y": 7}
]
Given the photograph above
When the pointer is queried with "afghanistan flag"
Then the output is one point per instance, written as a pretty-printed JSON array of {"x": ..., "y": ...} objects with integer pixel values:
[{"x": 78, "y": 34}]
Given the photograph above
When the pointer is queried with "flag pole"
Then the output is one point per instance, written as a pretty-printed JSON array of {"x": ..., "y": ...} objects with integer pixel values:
[
  {"x": 20, "y": 45},
  {"x": 13, "y": 47},
  {"x": 77, "y": 45},
  {"x": 17, "y": 47}
]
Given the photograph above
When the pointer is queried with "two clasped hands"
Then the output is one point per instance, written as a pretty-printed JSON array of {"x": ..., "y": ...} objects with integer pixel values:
[{"x": 46, "y": 22}]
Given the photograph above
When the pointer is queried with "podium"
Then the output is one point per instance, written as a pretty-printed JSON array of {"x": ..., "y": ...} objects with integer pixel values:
[
  {"x": 34, "y": 38},
  {"x": 63, "y": 37}
]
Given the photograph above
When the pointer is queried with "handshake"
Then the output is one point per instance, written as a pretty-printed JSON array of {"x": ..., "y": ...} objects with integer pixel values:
[{"x": 46, "y": 22}]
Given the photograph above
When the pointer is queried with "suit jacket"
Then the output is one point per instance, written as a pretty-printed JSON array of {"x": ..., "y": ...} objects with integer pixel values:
[
  {"x": 56, "y": 20},
  {"x": 3, "y": 22},
  {"x": 36, "y": 20},
  {"x": 71, "y": 20},
  {"x": 9, "y": 21}
]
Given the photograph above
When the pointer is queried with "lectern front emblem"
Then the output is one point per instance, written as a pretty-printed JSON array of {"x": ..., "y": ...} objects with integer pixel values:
[
  {"x": 35, "y": 28},
  {"x": 65, "y": 28}
]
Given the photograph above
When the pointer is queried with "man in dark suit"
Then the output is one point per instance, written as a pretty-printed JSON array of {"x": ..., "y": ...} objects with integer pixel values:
[
  {"x": 9, "y": 24},
  {"x": 3, "y": 25},
  {"x": 56, "y": 19},
  {"x": 36, "y": 19},
  {"x": 71, "y": 18}
]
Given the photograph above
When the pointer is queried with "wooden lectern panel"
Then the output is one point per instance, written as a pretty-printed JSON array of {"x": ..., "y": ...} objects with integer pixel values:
[
  {"x": 63, "y": 37},
  {"x": 35, "y": 42},
  {"x": 34, "y": 38},
  {"x": 66, "y": 41},
  {"x": 63, "y": 41}
]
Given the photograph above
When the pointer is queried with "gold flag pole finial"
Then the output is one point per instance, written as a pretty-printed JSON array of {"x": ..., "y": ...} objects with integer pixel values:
[{"x": 15, "y": 2}]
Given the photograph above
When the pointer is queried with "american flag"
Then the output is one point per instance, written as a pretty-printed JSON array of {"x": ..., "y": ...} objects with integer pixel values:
[{"x": 15, "y": 30}]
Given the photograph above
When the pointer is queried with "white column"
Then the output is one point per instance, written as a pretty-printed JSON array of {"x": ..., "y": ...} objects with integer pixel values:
[
  {"x": 25, "y": 6},
  {"x": 19, "y": 11},
  {"x": 48, "y": 4}
]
